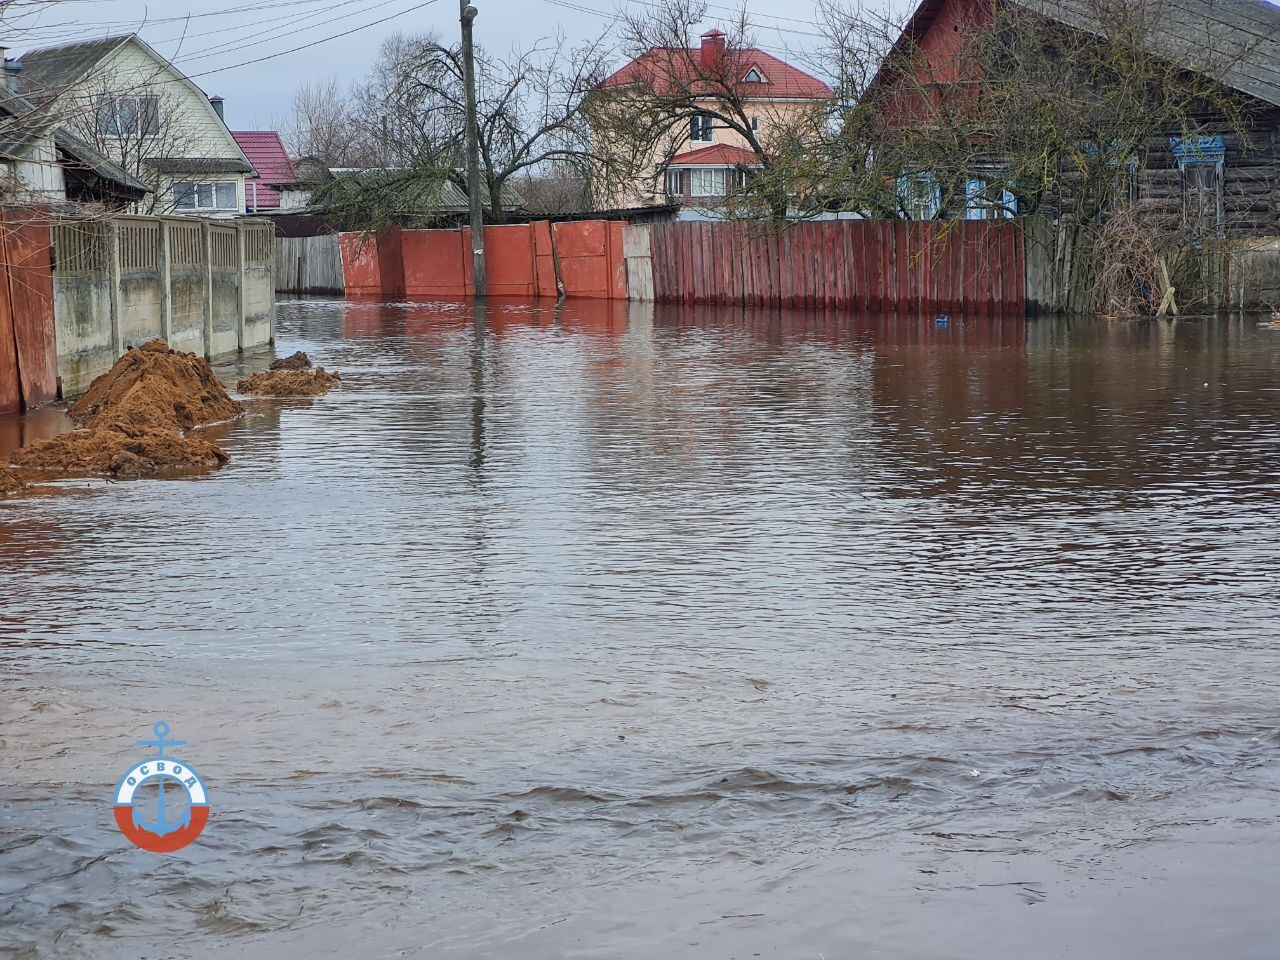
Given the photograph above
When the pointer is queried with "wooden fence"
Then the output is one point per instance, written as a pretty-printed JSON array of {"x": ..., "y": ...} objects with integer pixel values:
[
  {"x": 974, "y": 267},
  {"x": 309, "y": 265}
]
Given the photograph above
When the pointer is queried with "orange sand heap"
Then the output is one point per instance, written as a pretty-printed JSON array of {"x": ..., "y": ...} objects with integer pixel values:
[
  {"x": 290, "y": 377},
  {"x": 10, "y": 482},
  {"x": 155, "y": 386},
  {"x": 136, "y": 414},
  {"x": 295, "y": 361}
]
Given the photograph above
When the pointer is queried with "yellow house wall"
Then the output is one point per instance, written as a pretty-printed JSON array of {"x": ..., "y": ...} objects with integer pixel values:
[
  {"x": 649, "y": 189},
  {"x": 187, "y": 119}
]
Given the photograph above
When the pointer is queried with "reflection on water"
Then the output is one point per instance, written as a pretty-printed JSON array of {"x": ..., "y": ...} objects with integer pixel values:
[{"x": 605, "y": 631}]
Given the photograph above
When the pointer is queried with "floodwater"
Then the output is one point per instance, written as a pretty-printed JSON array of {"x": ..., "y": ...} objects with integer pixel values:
[{"x": 696, "y": 633}]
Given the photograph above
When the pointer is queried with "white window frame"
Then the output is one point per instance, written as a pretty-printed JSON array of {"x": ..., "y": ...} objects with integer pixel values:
[
  {"x": 920, "y": 195},
  {"x": 204, "y": 190},
  {"x": 759, "y": 78},
  {"x": 702, "y": 128},
  {"x": 674, "y": 187},
  {"x": 145, "y": 115},
  {"x": 709, "y": 181}
]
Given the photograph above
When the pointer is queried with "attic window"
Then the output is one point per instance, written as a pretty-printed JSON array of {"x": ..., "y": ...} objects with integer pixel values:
[
  {"x": 129, "y": 116},
  {"x": 754, "y": 76}
]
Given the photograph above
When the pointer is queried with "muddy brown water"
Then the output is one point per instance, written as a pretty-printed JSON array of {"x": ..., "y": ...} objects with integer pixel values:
[{"x": 687, "y": 633}]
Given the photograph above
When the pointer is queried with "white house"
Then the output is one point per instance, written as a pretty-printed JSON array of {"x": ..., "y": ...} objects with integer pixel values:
[
  {"x": 43, "y": 162},
  {"x": 135, "y": 107}
]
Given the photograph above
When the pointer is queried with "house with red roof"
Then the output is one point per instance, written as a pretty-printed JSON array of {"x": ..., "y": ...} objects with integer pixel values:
[
  {"x": 706, "y": 157},
  {"x": 273, "y": 171}
]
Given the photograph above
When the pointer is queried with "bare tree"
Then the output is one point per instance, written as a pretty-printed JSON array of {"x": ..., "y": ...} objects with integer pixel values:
[
  {"x": 410, "y": 122},
  {"x": 321, "y": 124},
  {"x": 557, "y": 191}
]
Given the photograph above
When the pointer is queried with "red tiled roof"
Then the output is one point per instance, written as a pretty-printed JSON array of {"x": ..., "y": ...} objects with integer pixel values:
[
  {"x": 782, "y": 81},
  {"x": 270, "y": 160},
  {"x": 720, "y": 154}
]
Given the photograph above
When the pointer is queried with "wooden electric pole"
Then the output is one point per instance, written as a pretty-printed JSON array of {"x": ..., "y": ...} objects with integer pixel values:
[{"x": 480, "y": 284}]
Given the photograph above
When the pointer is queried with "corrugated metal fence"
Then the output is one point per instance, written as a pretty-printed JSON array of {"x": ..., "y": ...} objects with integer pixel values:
[
  {"x": 28, "y": 354},
  {"x": 971, "y": 267}
]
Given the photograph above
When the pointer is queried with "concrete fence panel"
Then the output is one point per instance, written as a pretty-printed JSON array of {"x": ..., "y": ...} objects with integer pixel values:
[
  {"x": 137, "y": 248},
  {"x": 225, "y": 288},
  {"x": 205, "y": 286}
]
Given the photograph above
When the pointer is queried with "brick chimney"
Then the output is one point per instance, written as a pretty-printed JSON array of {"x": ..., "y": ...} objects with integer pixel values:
[{"x": 713, "y": 42}]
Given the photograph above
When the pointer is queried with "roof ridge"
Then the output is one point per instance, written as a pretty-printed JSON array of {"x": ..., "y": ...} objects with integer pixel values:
[{"x": 112, "y": 38}]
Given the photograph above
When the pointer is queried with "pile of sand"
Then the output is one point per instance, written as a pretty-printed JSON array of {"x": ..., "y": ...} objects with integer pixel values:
[
  {"x": 10, "y": 482},
  {"x": 295, "y": 361},
  {"x": 136, "y": 414},
  {"x": 153, "y": 386},
  {"x": 290, "y": 377}
]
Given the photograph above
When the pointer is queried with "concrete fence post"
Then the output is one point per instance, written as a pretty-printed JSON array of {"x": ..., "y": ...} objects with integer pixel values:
[
  {"x": 163, "y": 262},
  {"x": 242, "y": 304},
  {"x": 206, "y": 237},
  {"x": 113, "y": 263},
  {"x": 271, "y": 315}
]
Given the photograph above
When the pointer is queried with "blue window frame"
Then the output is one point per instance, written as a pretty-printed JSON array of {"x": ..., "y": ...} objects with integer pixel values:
[
  {"x": 981, "y": 202},
  {"x": 1201, "y": 165}
]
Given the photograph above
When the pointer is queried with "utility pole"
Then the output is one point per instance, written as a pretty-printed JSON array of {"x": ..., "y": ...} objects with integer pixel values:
[{"x": 481, "y": 285}]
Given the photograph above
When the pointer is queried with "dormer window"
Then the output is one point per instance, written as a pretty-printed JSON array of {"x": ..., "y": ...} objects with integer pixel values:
[{"x": 754, "y": 76}]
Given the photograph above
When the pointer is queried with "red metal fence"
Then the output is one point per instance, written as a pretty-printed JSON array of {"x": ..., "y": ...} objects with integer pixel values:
[
  {"x": 521, "y": 260},
  {"x": 973, "y": 267},
  {"x": 28, "y": 352}
]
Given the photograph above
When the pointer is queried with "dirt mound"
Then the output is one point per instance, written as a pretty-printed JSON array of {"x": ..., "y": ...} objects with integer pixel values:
[
  {"x": 158, "y": 388},
  {"x": 136, "y": 414},
  {"x": 295, "y": 361},
  {"x": 289, "y": 383},
  {"x": 10, "y": 482},
  {"x": 119, "y": 451}
]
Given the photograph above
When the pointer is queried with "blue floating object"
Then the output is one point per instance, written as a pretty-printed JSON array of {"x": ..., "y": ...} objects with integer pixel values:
[{"x": 942, "y": 320}]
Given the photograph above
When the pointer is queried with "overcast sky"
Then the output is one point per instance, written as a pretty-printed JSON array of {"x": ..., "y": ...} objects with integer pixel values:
[{"x": 210, "y": 39}]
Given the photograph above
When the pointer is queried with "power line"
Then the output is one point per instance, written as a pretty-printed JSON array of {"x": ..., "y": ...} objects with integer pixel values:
[
  {"x": 314, "y": 43},
  {"x": 218, "y": 49},
  {"x": 618, "y": 14}
]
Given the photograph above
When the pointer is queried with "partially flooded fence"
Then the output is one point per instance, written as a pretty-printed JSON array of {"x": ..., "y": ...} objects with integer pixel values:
[
  {"x": 580, "y": 258},
  {"x": 309, "y": 265},
  {"x": 205, "y": 286},
  {"x": 28, "y": 353},
  {"x": 968, "y": 267},
  {"x": 972, "y": 267}
]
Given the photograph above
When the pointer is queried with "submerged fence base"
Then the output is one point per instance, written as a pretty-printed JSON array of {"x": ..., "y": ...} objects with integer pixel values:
[
  {"x": 28, "y": 354},
  {"x": 970, "y": 267}
]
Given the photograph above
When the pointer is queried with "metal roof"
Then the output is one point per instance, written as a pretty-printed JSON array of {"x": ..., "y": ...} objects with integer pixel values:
[
  {"x": 665, "y": 70},
  {"x": 270, "y": 160},
  {"x": 50, "y": 70},
  {"x": 718, "y": 154},
  {"x": 1236, "y": 42},
  {"x": 199, "y": 165},
  {"x": 27, "y": 124}
]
